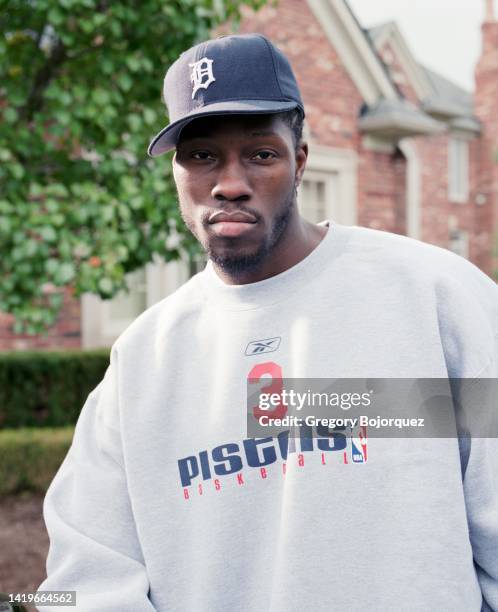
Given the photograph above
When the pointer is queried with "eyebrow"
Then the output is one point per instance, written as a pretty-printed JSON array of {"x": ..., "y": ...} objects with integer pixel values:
[{"x": 264, "y": 133}]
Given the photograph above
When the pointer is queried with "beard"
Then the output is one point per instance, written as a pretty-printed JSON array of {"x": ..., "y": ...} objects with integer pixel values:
[{"x": 239, "y": 263}]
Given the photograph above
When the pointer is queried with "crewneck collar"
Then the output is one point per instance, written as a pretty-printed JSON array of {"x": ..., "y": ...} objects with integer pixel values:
[{"x": 279, "y": 287}]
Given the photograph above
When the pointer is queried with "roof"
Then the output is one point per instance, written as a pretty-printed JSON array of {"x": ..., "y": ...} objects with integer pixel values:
[
  {"x": 399, "y": 116},
  {"x": 386, "y": 111},
  {"x": 446, "y": 99},
  {"x": 449, "y": 93},
  {"x": 370, "y": 42}
]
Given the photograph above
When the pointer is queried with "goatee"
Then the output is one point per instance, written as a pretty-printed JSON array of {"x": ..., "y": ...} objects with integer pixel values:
[{"x": 241, "y": 264}]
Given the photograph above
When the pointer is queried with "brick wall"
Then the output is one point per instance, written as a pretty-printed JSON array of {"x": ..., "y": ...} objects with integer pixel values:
[
  {"x": 486, "y": 98},
  {"x": 439, "y": 214},
  {"x": 66, "y": 333},
  {"x": 381, "y": 185},
  {"x": 397, "y": 73}
]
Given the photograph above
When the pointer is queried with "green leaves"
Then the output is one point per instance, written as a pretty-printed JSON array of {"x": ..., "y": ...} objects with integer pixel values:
[
  {"x": 65, "y": 273},
  {"x": 101, "y": 97},
  {"x": 125, "y": 81},
  {"x": 55, "y": 16},
  {"x": 10, "y": 115},
  {"x": 106, "y": 286},
  {"x": 47, "y": 233},
  {"x": 81, "y": 204}
]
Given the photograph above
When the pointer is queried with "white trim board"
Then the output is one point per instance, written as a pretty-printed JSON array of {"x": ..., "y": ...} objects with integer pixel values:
[
  {"x": 344, "y": 164},
  {"x": 416, "y": 76},
  {"x": 357, "y": 56}
]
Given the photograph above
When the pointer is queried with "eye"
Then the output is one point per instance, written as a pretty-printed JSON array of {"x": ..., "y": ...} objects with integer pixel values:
[
  {"x": 264, "y": 155},
  {"x": 201, "y": 155}
]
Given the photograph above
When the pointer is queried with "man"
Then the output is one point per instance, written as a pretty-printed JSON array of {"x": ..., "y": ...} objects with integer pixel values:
[{"x": 165, "y": 502}]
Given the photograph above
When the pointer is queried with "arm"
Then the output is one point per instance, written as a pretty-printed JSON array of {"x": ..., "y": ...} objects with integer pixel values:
[
  {"x": 481, "y": 491},
  {"x": 94, "y": 547},
  {"x": 481, "y": 495}
]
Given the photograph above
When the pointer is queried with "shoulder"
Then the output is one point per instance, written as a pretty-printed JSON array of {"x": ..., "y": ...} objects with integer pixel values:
[
  {"x": 460, "y": 298},
  {"x": 394, "y": 249},
  {"x": 397, "y": 253},
  {"x": 451, "y": 279}
]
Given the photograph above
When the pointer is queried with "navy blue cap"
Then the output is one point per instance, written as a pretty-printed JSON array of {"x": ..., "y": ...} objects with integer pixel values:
[{"x": 239, "y": 74}]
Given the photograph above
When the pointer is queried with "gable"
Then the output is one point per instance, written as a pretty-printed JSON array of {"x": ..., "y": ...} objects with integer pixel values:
[
  {"x": 354, "y": 50},
  {"x": 392, "y": 48},
  {"x": 386, "y": 113},
  {"x": 430, "y": 91}
]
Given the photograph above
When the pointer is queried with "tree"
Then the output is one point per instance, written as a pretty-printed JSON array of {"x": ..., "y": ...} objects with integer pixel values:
[{"x": 81, "y": 204}]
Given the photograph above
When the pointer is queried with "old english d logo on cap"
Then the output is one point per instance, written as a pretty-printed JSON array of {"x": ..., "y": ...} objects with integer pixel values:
[
  {"x": 236, "y": 74},
  {"x": 201, "y": 74}
]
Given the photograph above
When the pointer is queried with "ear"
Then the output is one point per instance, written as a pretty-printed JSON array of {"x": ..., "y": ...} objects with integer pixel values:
[{"x": 301, "y": 158}]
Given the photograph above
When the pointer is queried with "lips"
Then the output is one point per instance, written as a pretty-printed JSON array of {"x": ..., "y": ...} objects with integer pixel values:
[
  {"x": 232, "y": 224},
  {"x": 237, "y": 216}
]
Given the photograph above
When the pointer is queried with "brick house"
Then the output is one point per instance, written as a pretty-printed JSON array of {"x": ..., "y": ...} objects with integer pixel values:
[{"x": 393, "y": 146}]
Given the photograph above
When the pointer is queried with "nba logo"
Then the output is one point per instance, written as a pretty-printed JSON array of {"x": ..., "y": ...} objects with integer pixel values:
[{"x": 359, "y": 444}]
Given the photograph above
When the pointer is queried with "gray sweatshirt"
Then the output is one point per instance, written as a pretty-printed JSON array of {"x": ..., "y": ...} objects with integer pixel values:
[{"x": 164, "y": 503}]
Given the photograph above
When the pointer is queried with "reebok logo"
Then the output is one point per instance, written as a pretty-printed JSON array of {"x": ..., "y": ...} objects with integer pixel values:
[{"x": 268, "y": 345}]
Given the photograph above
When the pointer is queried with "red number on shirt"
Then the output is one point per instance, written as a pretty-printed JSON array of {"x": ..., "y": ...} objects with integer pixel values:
[{"x": 275, "y": 385}]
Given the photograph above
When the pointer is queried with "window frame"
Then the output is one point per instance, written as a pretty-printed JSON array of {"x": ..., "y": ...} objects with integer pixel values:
[
  {"x": 462, "y": 237},
  {"x": 458, "y": 169}
]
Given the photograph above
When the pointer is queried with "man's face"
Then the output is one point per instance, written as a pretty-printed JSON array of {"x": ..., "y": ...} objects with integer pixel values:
[{"x": 236, "y": 177}]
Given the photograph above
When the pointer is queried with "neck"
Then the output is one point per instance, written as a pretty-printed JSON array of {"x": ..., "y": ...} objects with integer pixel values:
[{"x": 299, "y": 239}]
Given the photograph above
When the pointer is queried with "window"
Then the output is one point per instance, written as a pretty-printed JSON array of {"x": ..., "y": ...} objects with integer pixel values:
[
  {"x": 458, "y": 169},
  {"x": 317, "y": 197},
  {"x": 459, "y": 242},
  {"x": 125, "y": 307},
  {"x": 104, "y": 320},
  {"x": 312, "y": 200}
]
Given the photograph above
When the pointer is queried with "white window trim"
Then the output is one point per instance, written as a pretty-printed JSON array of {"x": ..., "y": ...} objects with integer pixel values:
[
  {"x": 413, "y": 188},
  {"x": 344, "y": 163},
  {"x": 97, "y": 330},
  {"x": 113, "y": 325},
  {"x": 351, "y": 45},
  {"x": 462, "y": 196},
  {"x": 328, "y": 180}
]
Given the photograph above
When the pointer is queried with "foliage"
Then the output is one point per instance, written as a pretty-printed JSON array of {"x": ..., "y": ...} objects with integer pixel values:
[
  {"x": 47, "y": 388},
  {"x": 30, "y": 457},
  {"x": 81, "y": 205}
]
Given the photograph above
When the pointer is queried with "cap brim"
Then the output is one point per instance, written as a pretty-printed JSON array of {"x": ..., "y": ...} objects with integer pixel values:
[{"x": 167, "y": 138}]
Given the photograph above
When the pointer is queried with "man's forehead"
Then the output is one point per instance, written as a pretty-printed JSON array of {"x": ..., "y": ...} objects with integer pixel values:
[{"x": 250, "y": 125}]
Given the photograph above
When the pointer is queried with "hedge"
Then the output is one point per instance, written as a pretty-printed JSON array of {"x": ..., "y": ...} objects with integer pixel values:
[
  {"x": 47, "y": 388},
  {"x": 14, "y": 607},
  {"x": 30, "y": 457}
]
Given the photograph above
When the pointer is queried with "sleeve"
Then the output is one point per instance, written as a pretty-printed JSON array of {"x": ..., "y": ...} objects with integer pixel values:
[
  {"x": 481, "y": 492},
  {"x": 94, "y": 546}
]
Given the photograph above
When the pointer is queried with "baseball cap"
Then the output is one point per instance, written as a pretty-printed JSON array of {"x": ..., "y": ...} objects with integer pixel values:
[{"x": 237, "y": 74}]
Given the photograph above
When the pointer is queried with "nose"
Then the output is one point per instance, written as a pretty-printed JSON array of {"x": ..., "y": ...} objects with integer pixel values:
[{"x": 231, "y": 183}]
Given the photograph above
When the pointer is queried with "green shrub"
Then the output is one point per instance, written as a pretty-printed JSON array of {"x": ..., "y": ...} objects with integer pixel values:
[
  {"x": 47, "y": 388},
  {"x": 30, "y": 457},
  {"x": 14, "y": 607}
]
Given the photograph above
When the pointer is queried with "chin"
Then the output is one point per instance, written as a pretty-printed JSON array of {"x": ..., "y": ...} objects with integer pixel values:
[{"x": 236, "y": 262}]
